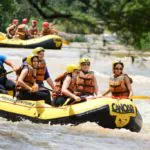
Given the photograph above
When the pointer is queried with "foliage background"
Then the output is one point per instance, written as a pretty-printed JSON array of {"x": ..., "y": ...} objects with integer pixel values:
[{"x": 130, "y": 19}]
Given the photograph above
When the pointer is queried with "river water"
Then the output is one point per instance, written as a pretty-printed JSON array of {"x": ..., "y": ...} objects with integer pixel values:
[{"x": 88, "y": 136}]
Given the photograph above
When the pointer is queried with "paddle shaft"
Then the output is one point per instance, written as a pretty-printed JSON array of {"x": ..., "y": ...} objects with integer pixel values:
[
  {"x": 48, "y": 89},
  {"x": 3, "y": 75}
]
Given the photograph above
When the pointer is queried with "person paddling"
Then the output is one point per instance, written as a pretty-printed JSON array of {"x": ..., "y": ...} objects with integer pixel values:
[
  {"x": 86, "y": 83},
  {"x": 48, "y": 29},
  {"x": 33, "y": 30},
  {"x": 27, "y": 88},
  {"x": 5, "y": 83},
  {"x": 65, "y": 86},
  {"x": 11, "y": 29},
  {"x": 22, "y": 31},
  {"x": 119, "y": 82}
]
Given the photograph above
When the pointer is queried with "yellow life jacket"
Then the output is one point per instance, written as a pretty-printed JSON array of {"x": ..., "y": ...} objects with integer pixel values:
[
  {"x": 21, "y": 33},
  {"x": 85, "y": 83}
]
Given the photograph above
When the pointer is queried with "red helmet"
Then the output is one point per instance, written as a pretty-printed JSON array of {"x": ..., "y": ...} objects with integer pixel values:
[
  {"x": 25, "y": 21},
  {"x": 45, "y": 24},
  {"x": 34, "y": 22},
  {"x": 15, "y": 21}
]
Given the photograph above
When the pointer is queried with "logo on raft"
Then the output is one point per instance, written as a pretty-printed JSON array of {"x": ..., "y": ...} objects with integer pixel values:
[{"x": 123, "y": 108}]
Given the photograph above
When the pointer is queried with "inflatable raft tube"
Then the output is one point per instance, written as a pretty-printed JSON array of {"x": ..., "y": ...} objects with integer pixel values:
[
  {"x": 47, "y": 42},
  {"x": 106, "y": 112}
]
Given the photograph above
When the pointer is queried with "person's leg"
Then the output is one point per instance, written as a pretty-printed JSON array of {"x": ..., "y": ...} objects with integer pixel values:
[
  {"x": 45, "y": 95},
  {"x": 10, "y": 86},
  {"x": 59, "y": 101},
  {"x": 2, "y": 89}
]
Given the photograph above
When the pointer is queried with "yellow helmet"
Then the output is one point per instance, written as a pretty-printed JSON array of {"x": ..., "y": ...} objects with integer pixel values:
[
  {"x": 37, "y": 50},
  {"x": 29, "y": 58},
  {"x": 71, "y": 67},
  {"x": 83, "y": 60}
]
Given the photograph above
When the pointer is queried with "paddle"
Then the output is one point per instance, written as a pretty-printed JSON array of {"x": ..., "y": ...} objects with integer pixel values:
[
  {"x": 6, "y": 73},
  {"x": 65, "y": 42},
  {"x": 142, "y": 97},
  {"x": 47, "y": 88}
]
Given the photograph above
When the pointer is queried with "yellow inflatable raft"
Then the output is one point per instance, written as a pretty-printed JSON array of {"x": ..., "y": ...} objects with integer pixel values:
[
  {"x": 106, "y": 112},
  {"x": 48, "y": 42}
]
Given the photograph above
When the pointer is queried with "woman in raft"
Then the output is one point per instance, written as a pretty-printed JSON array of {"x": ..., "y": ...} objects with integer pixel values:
[
  {"x": 65, "y": 86},
  {"x": 119, "y": 82},
  {"x": 27, "y": 88}
]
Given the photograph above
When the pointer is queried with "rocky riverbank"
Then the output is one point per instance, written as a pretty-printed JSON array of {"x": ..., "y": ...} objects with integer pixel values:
[{"x": 111, "y": 47}]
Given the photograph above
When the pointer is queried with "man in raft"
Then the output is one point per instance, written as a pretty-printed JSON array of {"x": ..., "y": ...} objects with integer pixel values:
[
  {"x": 27, "y": 88},
  {"x": 42, "y": 71},
  {"x": 5, "y": 83},
  {"x": 33, "y": 30},
  {"x": 65, "y": 86},
  {"x": 119, "y": 82},
  {"x": 22, "y": 31},
  {"x": 11, "y": 29},
  {"x": 48, "y": 29}
]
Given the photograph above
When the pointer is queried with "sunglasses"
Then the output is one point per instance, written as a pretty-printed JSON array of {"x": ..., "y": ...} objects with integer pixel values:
[
  {"x": 118, "y": 68},
  {"x": 85, "y": 64}
]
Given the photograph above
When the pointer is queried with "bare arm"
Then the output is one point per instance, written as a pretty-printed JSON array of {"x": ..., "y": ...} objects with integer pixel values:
[
  {"x": 65, "y": 90},
  {"x": 106, "y": 93},
  {"x": 128, "y": 84},
  {"x": 50, "y": 82},
  {"x": 97, "y": 92},
  {"x": 8, "y": 29},
  {"x": 9, "y": 63}
]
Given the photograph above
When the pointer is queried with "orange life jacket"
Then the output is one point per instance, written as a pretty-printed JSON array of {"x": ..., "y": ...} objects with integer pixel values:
[
  {"x": 21, "y": 33},
  {"x": 117, "y": 86},
  {"x": 41, "y": 71},
  {"x": 30, "y": 78},
  {"x": 85, "y": 83},
  {"x": 59, "y": 82},
  {"x": 33, "y": 30}
]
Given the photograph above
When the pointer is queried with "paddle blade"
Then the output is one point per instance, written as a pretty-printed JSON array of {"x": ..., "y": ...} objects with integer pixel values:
[
  {"x": 65, "y": 42},
  {"x": 140, "y": 97}
]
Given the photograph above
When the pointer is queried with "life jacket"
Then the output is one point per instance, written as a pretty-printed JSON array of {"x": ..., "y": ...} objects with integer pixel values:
[
  {"x": 46, "y": 31},
  {"x": 41, "y": 71},
  {"x": 85, "y": 83},
  {"x": 59, "y": 82},
  {"x": 21, "y": 33},
  {"x": 29, "y": 79},
  {"x": 33, "y": 30},
  {"x": 117, "y": 86}
]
